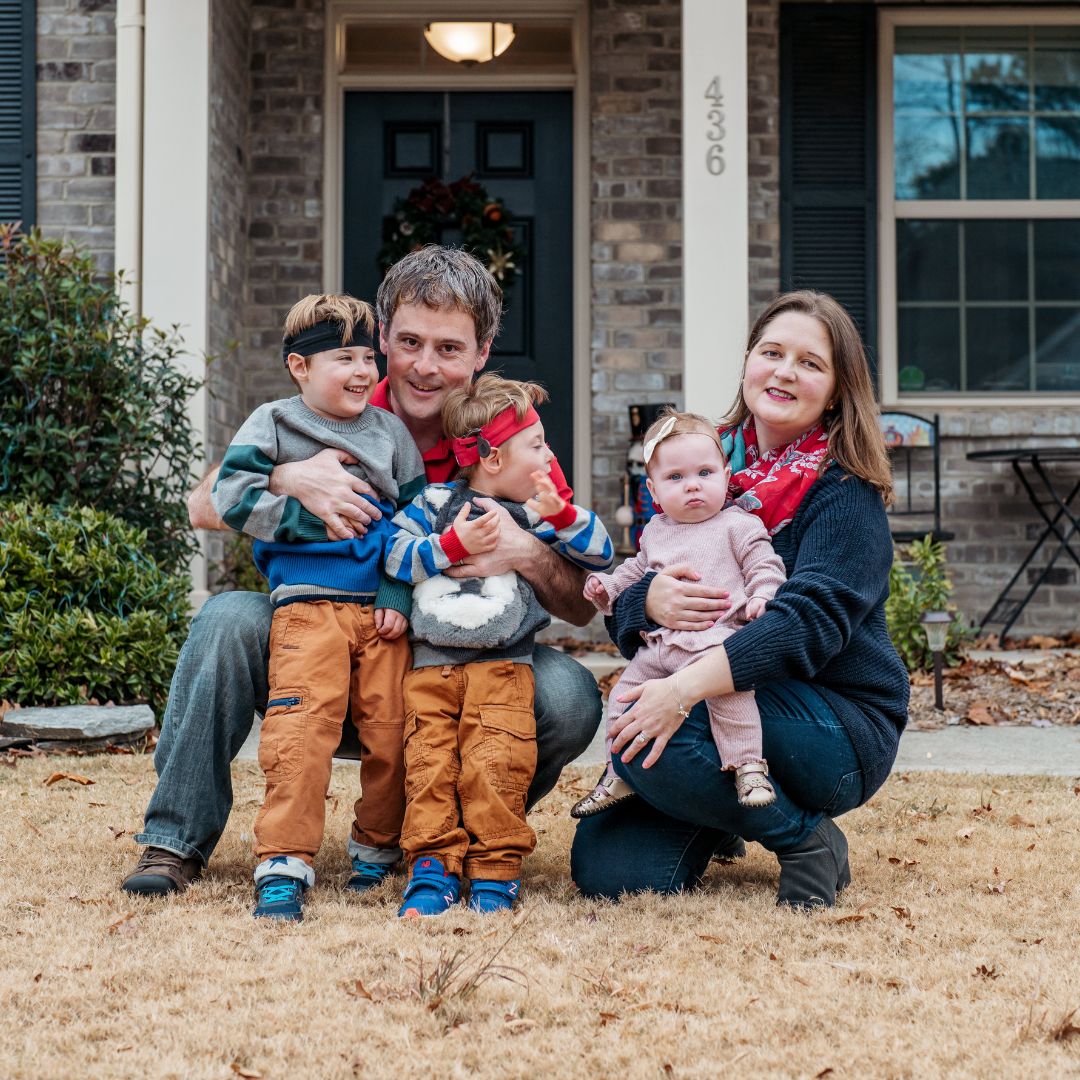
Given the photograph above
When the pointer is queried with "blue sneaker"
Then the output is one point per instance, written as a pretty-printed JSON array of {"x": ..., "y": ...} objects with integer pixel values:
[
  {"x": 431, "y": 890},
  {"x": 280, "y": 898},
  {"x": 489, "y": 896},
  {"x": 367, "y": 875}
]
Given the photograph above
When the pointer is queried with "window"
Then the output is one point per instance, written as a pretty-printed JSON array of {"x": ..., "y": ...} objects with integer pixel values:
[
  {"x": 980, "y": 200},
  {"x": 18, "y": 173}
]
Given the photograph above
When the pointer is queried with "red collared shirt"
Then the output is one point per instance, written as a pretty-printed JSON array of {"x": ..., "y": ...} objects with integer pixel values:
[{"x": 439, "y": 464}]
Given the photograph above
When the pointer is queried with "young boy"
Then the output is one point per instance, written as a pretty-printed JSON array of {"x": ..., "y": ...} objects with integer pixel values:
[
  {"x": 688, "y": 478},
  {"x": 336, "y": 640},
  {"x": 470, "y": 741}
]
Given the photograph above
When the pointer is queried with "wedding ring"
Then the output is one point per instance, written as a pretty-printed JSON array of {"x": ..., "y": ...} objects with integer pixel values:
[{"x": 641, "y": 737}]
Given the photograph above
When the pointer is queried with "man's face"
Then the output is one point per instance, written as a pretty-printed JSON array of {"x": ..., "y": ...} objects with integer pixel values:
[{"x": 428, "y": 354}]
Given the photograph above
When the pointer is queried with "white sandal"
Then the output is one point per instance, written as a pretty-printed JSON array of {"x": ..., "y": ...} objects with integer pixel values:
[{"x": 611, "y": 791}]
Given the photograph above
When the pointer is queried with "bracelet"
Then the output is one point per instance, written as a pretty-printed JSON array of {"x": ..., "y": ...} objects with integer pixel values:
[{"x": 680, "y": 708}]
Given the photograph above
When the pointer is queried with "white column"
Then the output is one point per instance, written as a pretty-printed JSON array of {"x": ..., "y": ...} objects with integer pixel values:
[
  {"x": 175, "y": 197},
  {"x": 129, "y": 115},
  {"x": 715, "y": 212}
]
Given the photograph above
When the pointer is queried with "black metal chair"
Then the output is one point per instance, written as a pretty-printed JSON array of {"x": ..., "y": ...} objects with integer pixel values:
[{"x": 914, "y": 448}]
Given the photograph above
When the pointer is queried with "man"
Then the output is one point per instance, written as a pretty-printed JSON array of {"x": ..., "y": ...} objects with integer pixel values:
[{"x": 439, "y": 312}]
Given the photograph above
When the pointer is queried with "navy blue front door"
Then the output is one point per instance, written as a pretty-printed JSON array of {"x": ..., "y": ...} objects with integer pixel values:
[{"x": 519, "y": 147}]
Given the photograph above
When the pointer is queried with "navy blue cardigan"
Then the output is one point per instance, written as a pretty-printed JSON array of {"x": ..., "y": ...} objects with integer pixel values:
[{"x": 826, "y": 624}]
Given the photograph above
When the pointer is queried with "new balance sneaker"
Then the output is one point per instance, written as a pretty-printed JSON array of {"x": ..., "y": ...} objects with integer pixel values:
[
  {"x": 431, "y": 890},
  {"x": 279, "y": 898},
  {"x": 489, "y": 896},
  {"x": 367, "y": 875},
  {"x": 159, "y": 872}
]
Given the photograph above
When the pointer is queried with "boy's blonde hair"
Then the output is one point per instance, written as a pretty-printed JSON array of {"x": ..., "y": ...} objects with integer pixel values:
[
  {"x": 686, "y": 423},
  {"x": 471, "y": 407},
  {"x": 325, "y": 307}
]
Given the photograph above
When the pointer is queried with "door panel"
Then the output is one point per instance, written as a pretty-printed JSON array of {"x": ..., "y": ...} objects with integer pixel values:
[{"x": 519, "y": 145}]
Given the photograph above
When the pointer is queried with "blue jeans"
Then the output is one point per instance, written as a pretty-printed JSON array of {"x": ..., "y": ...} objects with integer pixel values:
[
  {"x": 221, "y": 682},
  {"x": 688, "y": 808}
]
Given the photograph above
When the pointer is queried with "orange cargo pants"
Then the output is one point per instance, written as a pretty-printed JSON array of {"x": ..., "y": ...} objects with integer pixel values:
[
  {"x": 328, "y": 661},
  {"x": 470, "y": 755}
]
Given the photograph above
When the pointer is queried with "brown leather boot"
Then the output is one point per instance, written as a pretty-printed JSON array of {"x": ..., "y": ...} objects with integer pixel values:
[{"x": 160, "y": 872}]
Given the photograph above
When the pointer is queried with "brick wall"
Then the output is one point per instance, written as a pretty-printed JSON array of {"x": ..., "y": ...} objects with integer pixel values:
[
  {"x": 636, "y": 224},
  {"x": 285, "y": 207},
  {"x": 763, "y": 150},
  {"x": 76, "y": 123}
]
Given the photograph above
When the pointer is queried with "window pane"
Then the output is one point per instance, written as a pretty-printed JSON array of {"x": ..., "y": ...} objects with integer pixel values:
[
  {"x": 997, "y": 159},
  {"x": 929, "y": 357},
  {"x": 996, "y": 70},
  {"x": 996, "y": 260},
  {"x": 927, "y": 260},
  {"x": 1057, "y": 69},
  {"x": 997, "y": 349},
  {"x": 927, "y": 158},
  {"x": 1057, "y": 254},
  {"x": 1057, "y": 349},
  {"x": 1057, "y": 157},
  {"x": 926, "y": 70}
]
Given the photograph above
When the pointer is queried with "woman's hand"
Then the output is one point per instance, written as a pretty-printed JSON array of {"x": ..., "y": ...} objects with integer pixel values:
[
  {"x": 677, "y": 601},
  {"x": 329, "y": 492},
  {"x": 653, "y": 715}
]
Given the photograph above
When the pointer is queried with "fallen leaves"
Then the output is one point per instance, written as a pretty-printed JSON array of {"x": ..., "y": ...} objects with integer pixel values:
[
  {"x": 244, "y": 1071},
  {"x": 123, "y": 925},
  {"x": 987, "y": 972},
  {"x": 1065, "y": 1028},
  {"x": 57, "y": 777},
  {"x": 979, "y": 713}
]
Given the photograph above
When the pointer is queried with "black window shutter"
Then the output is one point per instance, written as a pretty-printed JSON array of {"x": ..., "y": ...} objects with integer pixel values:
[
  {"x": 828, "y": 155},
  {"x": 18, "y": 126}
]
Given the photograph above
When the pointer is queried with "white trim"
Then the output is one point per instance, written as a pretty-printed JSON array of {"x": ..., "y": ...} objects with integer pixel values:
[
  {"x": 339, "y": 13},
  {"x": 889, "y": 210},
  {"x": 127, "y": 242},
  {"x": 716, "y": 281}
]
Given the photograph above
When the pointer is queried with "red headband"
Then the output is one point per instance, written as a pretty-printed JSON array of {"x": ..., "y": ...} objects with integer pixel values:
[{"x": 469, "y": 449}]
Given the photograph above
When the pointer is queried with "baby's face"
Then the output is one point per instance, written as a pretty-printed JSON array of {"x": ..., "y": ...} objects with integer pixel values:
[{"x": 688, "y": 477}]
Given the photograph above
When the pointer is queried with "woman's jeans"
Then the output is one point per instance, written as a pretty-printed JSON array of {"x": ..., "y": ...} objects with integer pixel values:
[
  {"x": 688, "y": 808},
  {"x": 221, "y": 682}
]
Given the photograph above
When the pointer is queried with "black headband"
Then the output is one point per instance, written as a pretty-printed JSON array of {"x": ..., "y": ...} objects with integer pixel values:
[{"x": 322, "y": 336}]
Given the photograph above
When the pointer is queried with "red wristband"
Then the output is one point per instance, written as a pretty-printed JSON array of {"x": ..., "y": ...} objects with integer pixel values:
[
  {"x": 565, "y": 517},
  {"x": 452, "y": 546}
]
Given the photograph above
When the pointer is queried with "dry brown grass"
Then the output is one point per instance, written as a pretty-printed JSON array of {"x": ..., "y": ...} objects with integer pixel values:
[{"x": 953, "y": 954}]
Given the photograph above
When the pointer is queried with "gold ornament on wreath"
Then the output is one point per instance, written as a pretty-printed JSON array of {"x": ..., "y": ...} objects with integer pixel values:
[{"x": 463, "y": 205}]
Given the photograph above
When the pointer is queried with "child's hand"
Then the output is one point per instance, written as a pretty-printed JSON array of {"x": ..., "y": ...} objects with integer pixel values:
[
  {"x": 754, "y": 607},
  {"x": 390, "y": 624},
  {"x": 547, "y": 501},
  {"x": 479, "y": 535},
  {"x": 595, "y": 592}
]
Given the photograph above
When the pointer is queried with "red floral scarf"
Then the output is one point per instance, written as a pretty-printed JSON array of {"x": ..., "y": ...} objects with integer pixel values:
[{"x": 773, "y": 484}]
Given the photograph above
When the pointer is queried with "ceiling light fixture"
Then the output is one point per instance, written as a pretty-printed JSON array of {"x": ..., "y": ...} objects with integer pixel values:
[{"x": 469, "y": 42}]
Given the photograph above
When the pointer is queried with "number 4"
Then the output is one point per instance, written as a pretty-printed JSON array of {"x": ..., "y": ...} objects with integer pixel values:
[{"x": 712, "y": 92}]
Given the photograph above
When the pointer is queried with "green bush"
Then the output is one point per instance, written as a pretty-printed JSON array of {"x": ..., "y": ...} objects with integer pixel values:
[
  {"x": 85, "y": 613},
  {"x": 919, "y": 582},
  {"x": 93, "y": 406},
  {"x": 237, "y": 569}
]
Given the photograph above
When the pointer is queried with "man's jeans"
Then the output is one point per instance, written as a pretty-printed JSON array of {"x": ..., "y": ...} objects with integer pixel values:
[
  {"x": 221, "y": 682},
  {"x": 662, "y": 842}
]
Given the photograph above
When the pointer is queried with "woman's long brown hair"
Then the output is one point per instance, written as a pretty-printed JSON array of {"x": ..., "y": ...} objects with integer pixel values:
[{"x": 855, "y": 440}]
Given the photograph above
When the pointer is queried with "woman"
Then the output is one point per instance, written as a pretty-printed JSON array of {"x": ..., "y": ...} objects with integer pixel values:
[{"x": 808, "y": 458}]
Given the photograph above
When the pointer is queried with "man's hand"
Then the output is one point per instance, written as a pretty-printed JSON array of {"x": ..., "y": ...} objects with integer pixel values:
[
  {"x": 677, "y": 601},
  {"x": 479, "y": 535},
  {"x": 329, "y": 492},
  {"x": 547, "y": 502},
  {"x": 755, "y": 608},
  {"x": 595, "y": 592},
  {"x": 390, "y": 624}
]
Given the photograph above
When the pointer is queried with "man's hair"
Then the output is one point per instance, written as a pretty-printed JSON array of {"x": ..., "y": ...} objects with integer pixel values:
[
  {"x": 469, "y": 408},
  {"x": 316, "y": 308},
  {"x": 443, "y": 277},
  {"x": 686, "y": 423}
]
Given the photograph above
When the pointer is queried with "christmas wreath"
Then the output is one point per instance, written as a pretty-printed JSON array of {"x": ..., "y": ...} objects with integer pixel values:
[{"x": 427, "y": 210}]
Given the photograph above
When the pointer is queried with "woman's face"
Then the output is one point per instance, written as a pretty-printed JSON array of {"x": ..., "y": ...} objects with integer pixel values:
[{"x": 789, "y": 378}]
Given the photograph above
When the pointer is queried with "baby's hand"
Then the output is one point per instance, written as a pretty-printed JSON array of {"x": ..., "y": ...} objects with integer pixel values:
[
  {"x": 595, "y": 592},
  {"x": 754, "y": 607},
  {"x": 479, "y": 535},
  {"x": 390, "y": 623},
  {"x": 547, "y": 501}
]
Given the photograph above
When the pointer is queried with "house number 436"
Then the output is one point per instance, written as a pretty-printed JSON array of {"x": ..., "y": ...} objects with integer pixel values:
[{"x": 714, "y": 155}]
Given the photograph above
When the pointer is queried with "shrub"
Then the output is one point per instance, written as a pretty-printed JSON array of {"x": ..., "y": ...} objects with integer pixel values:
[
  {"x": 85, "y": 613},
  {"x": 919, "y": 582},
  {"x": 93, "y": 407},
  {"x": 237, "y": 569}
]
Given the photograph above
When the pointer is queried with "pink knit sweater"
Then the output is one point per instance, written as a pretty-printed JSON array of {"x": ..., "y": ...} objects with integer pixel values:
[{"x": 730, "y": 551}]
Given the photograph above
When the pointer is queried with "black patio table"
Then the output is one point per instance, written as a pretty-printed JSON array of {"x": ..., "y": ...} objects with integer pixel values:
[{"x": 1028, "y": 463}]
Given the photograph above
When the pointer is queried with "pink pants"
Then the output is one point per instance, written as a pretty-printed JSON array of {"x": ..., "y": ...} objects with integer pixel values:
[{"x": 734, "y": 718}]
